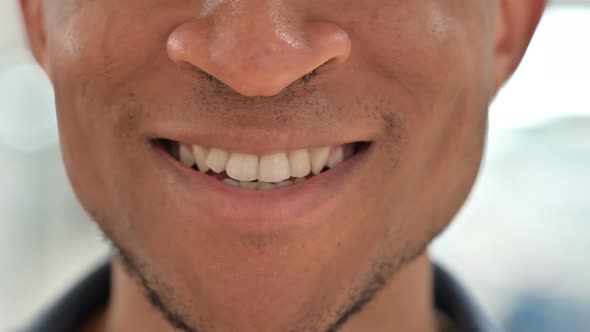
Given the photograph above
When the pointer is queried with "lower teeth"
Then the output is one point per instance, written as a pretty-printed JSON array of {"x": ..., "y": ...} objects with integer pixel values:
[
  {"x": 259, "y": 185},
  {"x": 255, "y": 185}
]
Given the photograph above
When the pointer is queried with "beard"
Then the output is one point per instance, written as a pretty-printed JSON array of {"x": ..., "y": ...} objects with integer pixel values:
[{"x": 158, "y": 293}]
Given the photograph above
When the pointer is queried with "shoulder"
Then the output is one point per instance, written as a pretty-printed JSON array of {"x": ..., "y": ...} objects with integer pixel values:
[
  {"x": 91, "y": 294},
  {"x": 454, "y": 302},
  {"x": 80, "y": 302}
]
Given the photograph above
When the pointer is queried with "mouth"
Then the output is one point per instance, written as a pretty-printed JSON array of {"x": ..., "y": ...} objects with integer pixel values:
[
  {"x": 264, "y": 172},
  {"x": 241, "y": 187}
]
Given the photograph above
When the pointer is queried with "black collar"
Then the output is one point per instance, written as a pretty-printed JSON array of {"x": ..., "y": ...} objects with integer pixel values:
[{"x": 92, "y": 293}]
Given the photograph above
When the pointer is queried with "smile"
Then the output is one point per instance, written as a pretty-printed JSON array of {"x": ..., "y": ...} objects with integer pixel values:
[
  {"x": 262, "y": 172},
  {"x": 237, "y": 186}
]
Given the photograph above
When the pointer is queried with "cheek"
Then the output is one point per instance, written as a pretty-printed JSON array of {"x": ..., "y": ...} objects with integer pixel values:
[
  {"x": 444, "y": 102},
  {"x": 428, "y": 49},
  {"x": 95, "y": 114}
]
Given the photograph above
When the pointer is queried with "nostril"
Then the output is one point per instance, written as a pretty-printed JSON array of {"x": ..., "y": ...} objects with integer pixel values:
[{"x": 309, "y": 76}]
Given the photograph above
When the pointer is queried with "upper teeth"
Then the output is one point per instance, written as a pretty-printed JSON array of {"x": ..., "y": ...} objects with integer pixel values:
[
  {"x": 269, "y": 168},
  {"x": 299, "y": 163},
  {"x": 273, "y": 168},
  {"x": 318, "y": 158},
  {"x": 217, "y": 160}
]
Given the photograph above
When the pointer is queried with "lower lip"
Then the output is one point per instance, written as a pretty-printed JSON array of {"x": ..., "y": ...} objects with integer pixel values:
[{"x": 204, "y": 195}]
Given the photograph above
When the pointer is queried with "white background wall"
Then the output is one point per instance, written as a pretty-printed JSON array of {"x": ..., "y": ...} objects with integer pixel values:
[{"x": 10, "y": 25}]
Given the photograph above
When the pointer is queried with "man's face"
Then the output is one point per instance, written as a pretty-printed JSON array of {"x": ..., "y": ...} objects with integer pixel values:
[{"x": 411, "y": 80}]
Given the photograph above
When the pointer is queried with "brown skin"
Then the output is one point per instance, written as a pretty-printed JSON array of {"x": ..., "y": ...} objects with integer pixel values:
[{"x": 414, "y": 77}]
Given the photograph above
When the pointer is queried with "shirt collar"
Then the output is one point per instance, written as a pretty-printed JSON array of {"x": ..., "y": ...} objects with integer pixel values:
[{"x": 92, "y": 293}]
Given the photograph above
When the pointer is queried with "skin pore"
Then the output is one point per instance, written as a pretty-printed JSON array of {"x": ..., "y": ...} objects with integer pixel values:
[{"x": 413, "y": 78}]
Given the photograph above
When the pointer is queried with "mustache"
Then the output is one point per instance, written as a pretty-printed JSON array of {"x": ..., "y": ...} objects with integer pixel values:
[
  {"x": 299, "y": 99},
  {"x": 306, "y": 103}
]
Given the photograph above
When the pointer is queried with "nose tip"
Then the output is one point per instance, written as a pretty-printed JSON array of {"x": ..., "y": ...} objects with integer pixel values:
[{"x": 261, "y": 60}]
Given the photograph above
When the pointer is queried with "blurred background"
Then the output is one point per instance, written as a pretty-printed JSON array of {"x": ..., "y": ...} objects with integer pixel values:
[{"x": 521, "y": 244}]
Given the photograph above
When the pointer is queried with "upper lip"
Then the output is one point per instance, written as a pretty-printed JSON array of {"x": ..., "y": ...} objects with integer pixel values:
[{"x": 259, "y": 140}]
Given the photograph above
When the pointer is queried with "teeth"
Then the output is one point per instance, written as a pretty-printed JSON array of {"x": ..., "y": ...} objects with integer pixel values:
[
  {"x": 261, "y": 185},
  {"x": 336, "y": 158},
  {"x": 242, "y": 167},
  {"x": 186, "y": 156},
  {"x": 274, "y": 168},
  {"x": 284, "y": 184},
  {"x": 230, "y": 182},
  {"x": 200, "y": 155},
  {"x": 299, "y": 163},
  {"x": 348, "y": 151},
  {"x": 298, "y": 181},
  {"x": 265, "y": 186},
  {"x": 248, "y": 185},
  {"x": 318, "y": 158},
  {"x": 217, "y": 160}
]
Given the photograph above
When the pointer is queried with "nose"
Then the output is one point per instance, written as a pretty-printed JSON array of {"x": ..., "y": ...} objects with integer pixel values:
[{"x": 257, "y": 47}]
